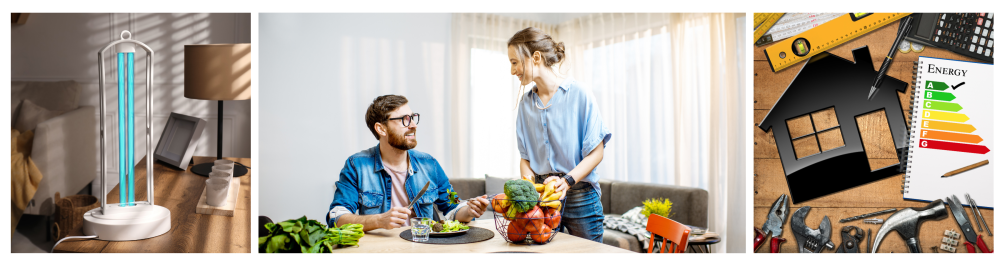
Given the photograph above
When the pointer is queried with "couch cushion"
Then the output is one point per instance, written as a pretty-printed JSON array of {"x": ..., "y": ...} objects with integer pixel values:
[
  {"x": 690, "y": 205},
  {"x": 31, "y": 115},
  {"x": 468, "y": 187},
  {"x": 622, "y": 240},
  {"x": 56, "y": 96},
  {"x": 494, "y": 185}
]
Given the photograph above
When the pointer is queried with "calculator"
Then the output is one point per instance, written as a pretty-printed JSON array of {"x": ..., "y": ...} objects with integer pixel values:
[{"x": 969, "y": 34}]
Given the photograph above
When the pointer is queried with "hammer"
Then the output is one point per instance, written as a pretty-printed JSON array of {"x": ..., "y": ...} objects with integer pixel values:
[{"x": 907, "y": 223}]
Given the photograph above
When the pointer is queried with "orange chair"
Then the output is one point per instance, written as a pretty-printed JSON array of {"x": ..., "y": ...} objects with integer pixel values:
[{"x": 675, "y": 235}]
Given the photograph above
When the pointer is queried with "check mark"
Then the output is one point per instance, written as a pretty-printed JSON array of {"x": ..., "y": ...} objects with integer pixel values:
[{"x": 956, "y": 86}]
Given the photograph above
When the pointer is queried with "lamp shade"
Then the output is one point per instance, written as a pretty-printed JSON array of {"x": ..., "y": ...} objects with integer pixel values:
[{"x": 217, "y": 71}]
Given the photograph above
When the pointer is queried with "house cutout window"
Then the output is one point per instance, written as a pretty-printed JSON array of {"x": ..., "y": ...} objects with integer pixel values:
[{"x": 815, "y": 133}]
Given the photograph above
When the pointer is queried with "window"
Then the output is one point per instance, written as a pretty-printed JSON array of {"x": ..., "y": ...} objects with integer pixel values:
[
  {"x": 492, "y": 117},
  {"x": 815, "y": 133}
]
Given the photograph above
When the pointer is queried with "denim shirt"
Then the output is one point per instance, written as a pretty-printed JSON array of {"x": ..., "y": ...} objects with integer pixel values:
[
  {"x": 556, "y": 139},
  {"x": 365, "y": 187}
]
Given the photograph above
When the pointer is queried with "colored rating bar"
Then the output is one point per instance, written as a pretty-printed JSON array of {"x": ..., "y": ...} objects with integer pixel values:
[
  {"x": 950, "y": 136},
  {"x": 935, "y": 85},
  {"x": 940, "y": 105},
  {"x": 958, "y": 147},
  {"x": 947, "y": 126},
  {"x": 945, "y": 116},
  {"x": 942, "y": 96}
]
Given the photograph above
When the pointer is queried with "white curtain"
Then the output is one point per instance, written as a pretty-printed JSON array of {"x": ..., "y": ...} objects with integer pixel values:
[
  {"x": 669, "y": 87},
  {"x": 484, "y": 95}
]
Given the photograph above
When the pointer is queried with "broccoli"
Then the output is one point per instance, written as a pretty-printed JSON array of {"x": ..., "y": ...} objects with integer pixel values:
[{"x": 522, "y": 194}]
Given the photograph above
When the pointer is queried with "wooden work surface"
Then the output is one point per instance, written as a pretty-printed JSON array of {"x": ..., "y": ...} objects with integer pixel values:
[
  {"x": 179, "y": 191},
  {"x": 388, "y": 241},
  {"x": 769, "y": 178}
]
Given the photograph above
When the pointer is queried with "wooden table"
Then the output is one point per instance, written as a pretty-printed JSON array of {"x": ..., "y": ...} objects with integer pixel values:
[
  {"x": 388, "y": 241},
  {"x": 179, "y": 192},
  {"x": 769, "y": 177}
]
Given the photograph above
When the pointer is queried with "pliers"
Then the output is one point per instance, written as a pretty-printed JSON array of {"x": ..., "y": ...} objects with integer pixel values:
[
  {"x": 775, "y": 220},
  {"x": 958, "y": 211}
]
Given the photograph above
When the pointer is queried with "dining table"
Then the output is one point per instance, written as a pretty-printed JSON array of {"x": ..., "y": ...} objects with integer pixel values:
[{"x": 389, "y": 241}]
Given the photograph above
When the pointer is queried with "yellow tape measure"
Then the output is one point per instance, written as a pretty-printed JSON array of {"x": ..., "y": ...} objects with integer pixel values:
[
  {"x": 766, "y": 20},
  {"x": 845, "y": 28}
]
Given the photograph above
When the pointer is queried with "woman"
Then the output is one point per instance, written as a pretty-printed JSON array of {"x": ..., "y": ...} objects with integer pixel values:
[{"x": 560, "y": 133}]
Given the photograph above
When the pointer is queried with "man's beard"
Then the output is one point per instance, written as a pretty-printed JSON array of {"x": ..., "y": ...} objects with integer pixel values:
[{"x": 399, "y": 141}]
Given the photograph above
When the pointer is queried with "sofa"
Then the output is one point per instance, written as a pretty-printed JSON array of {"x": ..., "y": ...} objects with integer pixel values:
[
  {"x": 690, "y": 205},
  {"x": 65, "y": 146}
]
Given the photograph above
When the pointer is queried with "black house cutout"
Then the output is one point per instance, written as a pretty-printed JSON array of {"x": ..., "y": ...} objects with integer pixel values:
[{"x": 829, "y": 84}]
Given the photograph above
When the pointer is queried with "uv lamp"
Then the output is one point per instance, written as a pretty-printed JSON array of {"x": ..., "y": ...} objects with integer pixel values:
[{"x": 128, "y": 219}]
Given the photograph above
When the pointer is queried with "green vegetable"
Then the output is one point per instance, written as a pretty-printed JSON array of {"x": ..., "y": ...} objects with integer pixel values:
[
  {"x": 307, "y": 236},
  {"x": 660, "y": 207},
  {"x": 452, "y": 197},
  {"x": 522, "y": 195},
  {"x": 452, "y": 226}
]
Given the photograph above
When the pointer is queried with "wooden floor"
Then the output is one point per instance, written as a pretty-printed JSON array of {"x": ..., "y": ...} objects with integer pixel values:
[{"x": 769, "y": 178}]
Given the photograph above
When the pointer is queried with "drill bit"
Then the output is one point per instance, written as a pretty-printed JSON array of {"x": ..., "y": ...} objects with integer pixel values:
[{"x": 867, "y": 215}]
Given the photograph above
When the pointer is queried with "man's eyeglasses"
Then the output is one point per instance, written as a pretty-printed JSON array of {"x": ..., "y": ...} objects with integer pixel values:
[{"x": 406, "y": 119}]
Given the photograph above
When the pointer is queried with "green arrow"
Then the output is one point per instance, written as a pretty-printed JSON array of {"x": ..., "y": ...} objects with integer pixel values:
[
  {"x": 942, "y": 96},
  {"x": 935, "y": 85},
  {"x": 941, "y": 105}
]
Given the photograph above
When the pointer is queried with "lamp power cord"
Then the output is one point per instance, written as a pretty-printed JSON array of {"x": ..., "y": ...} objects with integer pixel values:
[{"x": 69, "y": 237}]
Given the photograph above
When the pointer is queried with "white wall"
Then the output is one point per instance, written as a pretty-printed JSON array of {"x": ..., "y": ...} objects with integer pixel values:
[
  {"x": 319, "y": 73},
  {"x": 53, "y": 47}
]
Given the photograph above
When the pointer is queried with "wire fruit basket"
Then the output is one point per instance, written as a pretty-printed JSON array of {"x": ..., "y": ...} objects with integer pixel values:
[{"x": 536, "y": 226}]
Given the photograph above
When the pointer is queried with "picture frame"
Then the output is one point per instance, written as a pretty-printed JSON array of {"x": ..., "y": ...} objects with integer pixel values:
[{"x": 177, "y": 142}]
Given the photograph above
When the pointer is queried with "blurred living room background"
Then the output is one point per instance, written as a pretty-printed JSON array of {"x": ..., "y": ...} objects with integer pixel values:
[
  {"x": 669, "y": 87},
  {"x": 54, "y": 75}
]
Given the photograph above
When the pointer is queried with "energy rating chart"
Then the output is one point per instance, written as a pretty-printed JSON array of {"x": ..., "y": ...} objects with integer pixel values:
[{"x": 944, "y": 126}]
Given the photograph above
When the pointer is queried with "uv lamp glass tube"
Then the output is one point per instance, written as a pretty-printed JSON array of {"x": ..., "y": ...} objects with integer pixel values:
[{"x": 126, "y": 129}]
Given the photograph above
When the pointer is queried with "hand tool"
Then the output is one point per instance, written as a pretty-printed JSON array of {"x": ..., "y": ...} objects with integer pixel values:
[
  {"x": 869, "y": 240},
  {"x": 934, "y": 248},
  {"x": 907, "y": 223},
  {"x": 849, "y": 243},
  {"x": 867, "y": 215},
  {"x": 979, "y": 216},
  {"x": 419, "y": 194},
  {"x": 962, "y": 219},
  {"x": 904, "y": 28},
  {"x": 873, "y": 221},
  {"x": 810, "y": 240},
  {"x": 775, "y": 220}
]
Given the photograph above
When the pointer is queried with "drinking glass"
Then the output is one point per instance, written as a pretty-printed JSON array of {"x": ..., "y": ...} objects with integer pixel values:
[{"x": 420, "y": 227}]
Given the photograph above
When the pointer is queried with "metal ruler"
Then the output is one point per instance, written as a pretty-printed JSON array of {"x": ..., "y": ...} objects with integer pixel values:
[
  {"x": 762, "y": 22},
  {"x": 794, "y": 24},
  {"x": 823, "y": 37}
]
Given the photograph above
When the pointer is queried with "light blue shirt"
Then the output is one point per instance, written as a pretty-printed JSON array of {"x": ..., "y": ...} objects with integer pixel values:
[{"x": 556, "y": 139}]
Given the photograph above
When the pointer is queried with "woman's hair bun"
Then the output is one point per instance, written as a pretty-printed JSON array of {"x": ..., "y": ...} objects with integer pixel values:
[{"x": 560, "y": 50}]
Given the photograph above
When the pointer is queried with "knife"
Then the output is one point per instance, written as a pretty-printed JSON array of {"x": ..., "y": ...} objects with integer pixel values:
[
  {"x": 419, "y": 194},
  {"x": 958, "y": 211}
]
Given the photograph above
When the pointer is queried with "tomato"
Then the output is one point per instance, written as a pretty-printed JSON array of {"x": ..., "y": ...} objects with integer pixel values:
[
  {"x": 535, "y": 217},
  {"x": 543, "y": 235},
  {"x": 552, "y": 217},
  {"x": 516, "y": 233}
]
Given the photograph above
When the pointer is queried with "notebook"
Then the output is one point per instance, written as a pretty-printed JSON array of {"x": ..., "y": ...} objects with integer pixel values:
[{"x": 951, "y": 130}]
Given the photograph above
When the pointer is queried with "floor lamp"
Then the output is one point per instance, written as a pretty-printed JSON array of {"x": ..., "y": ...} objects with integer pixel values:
[{"x": 217, "y": 72}]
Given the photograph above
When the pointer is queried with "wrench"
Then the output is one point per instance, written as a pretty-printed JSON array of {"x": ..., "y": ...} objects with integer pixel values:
[{"x": 810, "y": 240}]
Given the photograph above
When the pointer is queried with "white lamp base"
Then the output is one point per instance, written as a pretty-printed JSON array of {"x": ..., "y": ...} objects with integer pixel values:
[{"x": 127, "y": 223}]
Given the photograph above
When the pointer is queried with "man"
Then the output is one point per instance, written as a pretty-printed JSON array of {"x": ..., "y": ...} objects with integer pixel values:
[{"x": 377, "y": 184}]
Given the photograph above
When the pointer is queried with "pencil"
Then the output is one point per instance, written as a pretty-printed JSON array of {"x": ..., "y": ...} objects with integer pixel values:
[{"x": 964, "y": 169}]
